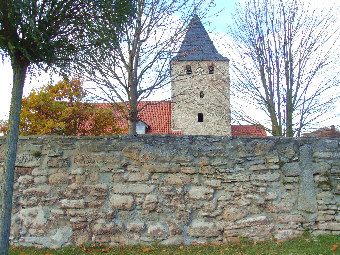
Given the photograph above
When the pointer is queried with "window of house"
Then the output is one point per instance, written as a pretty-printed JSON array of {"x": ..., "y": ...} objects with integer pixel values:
[
  {"x": 201, "y": 94},
  {"x": 188, "y": 69},
  {"x": 211, "y": 69},
  {"x": 200, "y": 117}
]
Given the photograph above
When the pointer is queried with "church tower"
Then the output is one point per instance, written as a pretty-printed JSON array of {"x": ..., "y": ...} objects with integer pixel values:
[{"x": 200, "y": 86}]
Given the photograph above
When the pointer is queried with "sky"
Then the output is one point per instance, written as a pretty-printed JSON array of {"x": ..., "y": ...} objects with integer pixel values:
[{"x": 215, "y": 22}]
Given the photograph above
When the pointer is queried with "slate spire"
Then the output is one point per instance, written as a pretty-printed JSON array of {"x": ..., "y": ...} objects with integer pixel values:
[{"x": 197, "y": 45}]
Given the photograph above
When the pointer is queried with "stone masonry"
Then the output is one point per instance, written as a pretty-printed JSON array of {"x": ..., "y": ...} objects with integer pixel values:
[
  {"x": 200, "y": 85},
  {"x": 200, "y": 92},
  {"x": 172, "y": 189}
]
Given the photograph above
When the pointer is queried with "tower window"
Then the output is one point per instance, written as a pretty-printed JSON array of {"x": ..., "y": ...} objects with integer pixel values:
[
  {"x": 201, "y": 94},
  {"x": 188, "y": 69},
  {"x": 200, "y": 117},
  {"x": 211, "y": 69}
]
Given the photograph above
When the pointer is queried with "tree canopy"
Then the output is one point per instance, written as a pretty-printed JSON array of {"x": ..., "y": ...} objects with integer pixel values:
[
  {"x": 59, "y": 110},
  {"x": 285, "y": 63}
]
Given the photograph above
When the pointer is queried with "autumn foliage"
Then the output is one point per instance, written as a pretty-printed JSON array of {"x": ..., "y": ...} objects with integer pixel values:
[{"x": 59, "y": 110}]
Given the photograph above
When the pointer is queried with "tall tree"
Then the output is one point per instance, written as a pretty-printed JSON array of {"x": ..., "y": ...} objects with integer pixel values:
[
  {"x": 285, "y": 62},
  {"x": 139, "y": 65},
  {"x": 60, "y": 110},
  {"x": 39, "y": 33}
]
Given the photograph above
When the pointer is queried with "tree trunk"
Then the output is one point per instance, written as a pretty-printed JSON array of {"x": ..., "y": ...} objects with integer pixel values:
[
  {"x": 7, "y": 173},
  {"x": 132, "y": 120}
]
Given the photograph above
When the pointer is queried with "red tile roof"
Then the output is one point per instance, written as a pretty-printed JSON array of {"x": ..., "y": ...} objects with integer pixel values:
[
  {"x": 247, "y": 130},
  {"x": 157, "y": 115},
  {"x": 331, "y": 132}
]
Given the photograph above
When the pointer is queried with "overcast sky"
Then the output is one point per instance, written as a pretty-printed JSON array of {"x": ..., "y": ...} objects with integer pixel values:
[{"x": 216, "y": 22}]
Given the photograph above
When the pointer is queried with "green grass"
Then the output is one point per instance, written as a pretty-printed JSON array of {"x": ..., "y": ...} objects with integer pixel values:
[{"x": 302, "y": 245}]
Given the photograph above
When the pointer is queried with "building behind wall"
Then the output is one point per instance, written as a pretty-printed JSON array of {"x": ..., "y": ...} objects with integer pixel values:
[
  {"x": 200, "y": 93},
  {"x": 200, "y": 86}
]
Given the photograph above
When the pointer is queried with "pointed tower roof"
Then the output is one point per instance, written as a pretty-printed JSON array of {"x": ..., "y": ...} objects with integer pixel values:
[{"x": 197, "y": 45}]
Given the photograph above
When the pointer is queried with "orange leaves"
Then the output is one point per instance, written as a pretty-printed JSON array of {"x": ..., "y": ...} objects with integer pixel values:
[
  {"x": 59, "y": 110},
  {"x": 96, "y": 248},
  {"x": 147, "y": 249},
  {"x": 335, "y": 247}
]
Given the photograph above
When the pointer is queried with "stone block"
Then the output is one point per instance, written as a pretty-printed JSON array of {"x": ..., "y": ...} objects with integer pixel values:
[
  {"x": 81, "y": 237},
  {"x": 213, "y": 183},
  {"x": 283, "y": 206},
  {"x": 40, "y": 191},
  {"x": 61, "y": 237},
  {"x": 268, "y": 177},
  {"x": 287, "y": 234},
  {"x": 57, "y": 212},
  {"x": 58, "y": 178},
  {"x": 161, "y": 168},
  {"x": 201, "y": 193},
  {"x": 93, "y": 177},
  {"x": 98, "y": 190},
  {"x": 249, "y": 222},
  {"x": 122, "y": 202},
  {"x": 289, "y": 218},
  {"x": 84, "y": 160},
  {"x": 138, "y": 176},
  {"x": 121, "y": 188},
  {"x": 57, "y": 162},
  {"x": 325, "y": 217},
  {"x": 326, "y": 196},
  {"x": 150, "y": 203},
  {"x": 101, "y": 239},
  {"x": 188, "y": 170},
  {"x": 80, "y": 179},
  {"x": 101, "y": 227},
  {"x": 199, "y": 228},
  {"x": 174, "y": 240},
  {"x": 258, "y": 167},
  {"x": 323, "y": 154},
  {"x": 233, "y": 213},
  {"x": 77, "y": 170},
  {"x": 25, "y": 179},
  {"x": 334, "y": 226},
  {"x": 157, "y": 232},
  {"x": 177, "y": 179},
  {"x": 272, "y": 159},
  {"x": 209, "y": 207},
  {"x": 40, "y": 180},
  {"x": 271, "y": 196},
  {"x": 132, "y": 151},
  {"x": 72, "y": 204},
  {"x": 33, "y": 218},
  {"x": 224, "y": 195},
  {"x": 27, "y": 160},
  {"x": 135, "y": 227},
  {"x": 43, "y": 171}
]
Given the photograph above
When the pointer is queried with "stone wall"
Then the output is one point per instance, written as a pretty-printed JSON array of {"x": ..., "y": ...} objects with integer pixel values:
[{"x": 172, "y": 189}]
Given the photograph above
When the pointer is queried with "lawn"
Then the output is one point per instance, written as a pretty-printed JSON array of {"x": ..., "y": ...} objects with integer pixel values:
[{"x": 306, "y": 244}]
